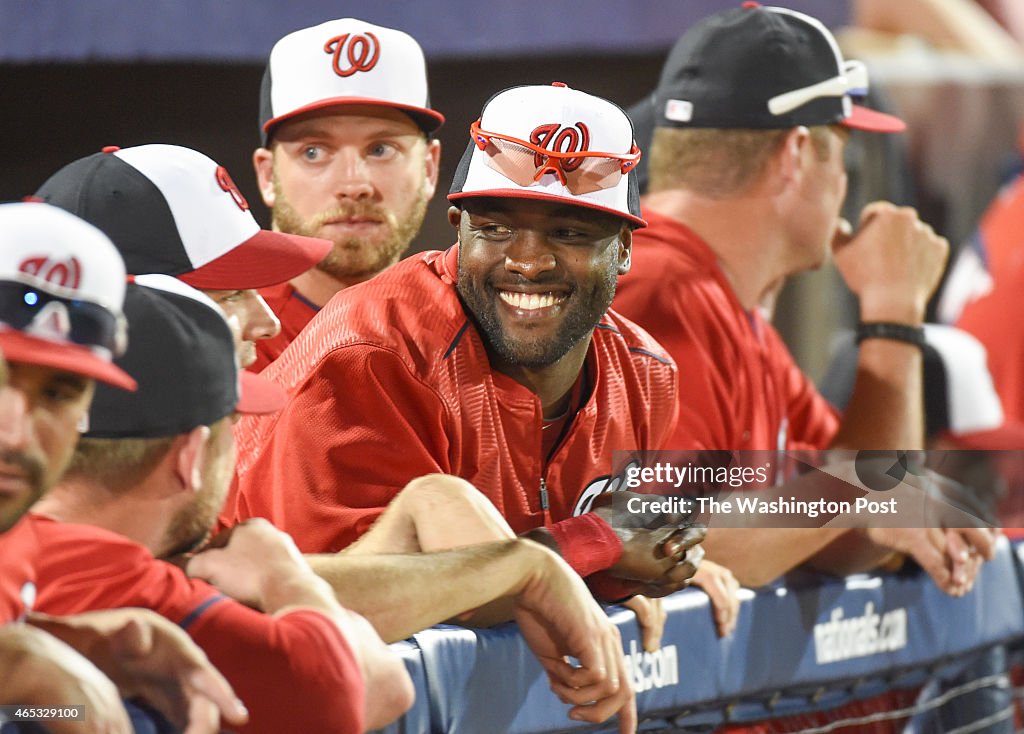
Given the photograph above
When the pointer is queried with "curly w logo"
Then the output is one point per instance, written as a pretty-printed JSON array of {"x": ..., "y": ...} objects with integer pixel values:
[
  {"x": 560, "y": 139},
  {"x": 352, "y": 53},
  {"x": 64, "y": 273}
]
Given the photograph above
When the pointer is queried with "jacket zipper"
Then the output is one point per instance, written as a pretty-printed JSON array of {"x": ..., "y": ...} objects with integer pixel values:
[{"x": 544, "y": 501}]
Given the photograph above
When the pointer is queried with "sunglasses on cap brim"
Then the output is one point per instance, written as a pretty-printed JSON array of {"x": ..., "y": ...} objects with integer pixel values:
[
  {"x": 37, "y": 312},
  {"x": 524, "y": 163},
  {"x": 853, "y": 81}
]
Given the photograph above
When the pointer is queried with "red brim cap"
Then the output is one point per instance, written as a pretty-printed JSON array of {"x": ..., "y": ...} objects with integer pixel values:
[
  {"x": 864, "y": 118},
  {"x": 1007, "y": 437},
  {"x": 258, "y": 395},
  {"x": 542, "y": 196},
  {"x": 267, "y": 258},
  {"x": 20, "y": 347},
  {"x": 427, "y": 119}
]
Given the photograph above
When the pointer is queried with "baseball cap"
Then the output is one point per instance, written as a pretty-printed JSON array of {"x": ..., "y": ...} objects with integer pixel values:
[
  {"x": 182, "y": 353},
  {"x": 960, "y": 399},
  {"x": 763, "y": 67},
  {"x": 507, "y": 155},
  {"x": 344, "y": 62},
  {"x": 174, "y": 211},
  {"x": 61, "y": 293}
]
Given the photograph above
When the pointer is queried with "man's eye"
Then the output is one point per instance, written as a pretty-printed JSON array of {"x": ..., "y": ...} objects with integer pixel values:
[
  {"x": 382, "y": 150},
  {"x": 496, "y": 230},
  {"x": 312, "y": 152}
]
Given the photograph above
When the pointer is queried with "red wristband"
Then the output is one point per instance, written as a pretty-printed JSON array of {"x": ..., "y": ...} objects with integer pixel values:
[
  {"x": 613, "y": 589},
  {"x": 587, "y": 543}
]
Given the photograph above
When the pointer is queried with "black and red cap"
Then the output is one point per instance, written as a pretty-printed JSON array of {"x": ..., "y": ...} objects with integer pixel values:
[
  {"x": 182, "y": 352},
  {"x": 174, "y": 211},
  {"x": 760, "y": 67}
]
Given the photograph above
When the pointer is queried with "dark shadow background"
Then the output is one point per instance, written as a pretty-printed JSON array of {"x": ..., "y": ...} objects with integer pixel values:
[{"x": 56, "y": 113}]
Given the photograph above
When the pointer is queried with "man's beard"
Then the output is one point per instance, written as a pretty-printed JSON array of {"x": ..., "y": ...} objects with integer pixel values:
[
  {"x": 35, "y": 477},
  {"x": 191, "y": 525},
  {"x": 587, "y": 305},
  {"x": 353, "y": 259}
]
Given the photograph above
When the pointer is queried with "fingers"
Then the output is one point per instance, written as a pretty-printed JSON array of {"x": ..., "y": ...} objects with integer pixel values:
[
  {"x": 682, "y": 540},
  {"x": 650, "y": 616},
  {"x": 203, "y": 716},
  {"x": 600, "y": 686},
  {"x": 981, "y": 540},
  {"x": 931, "y": 556},
  {"x": 213, "y": 687},
  {"x": 722, "y": 589}
]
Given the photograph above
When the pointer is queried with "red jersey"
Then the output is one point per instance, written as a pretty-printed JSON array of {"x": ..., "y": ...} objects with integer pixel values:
[
  {"x": 19, "y": 549},
  {"x": 739, "y": 388},
  {"x": 999, "y": 246},
  {"x": 294, "y": 672},
  {"x": 391, "y": 381},
  {"x": 294, "y": 312}
]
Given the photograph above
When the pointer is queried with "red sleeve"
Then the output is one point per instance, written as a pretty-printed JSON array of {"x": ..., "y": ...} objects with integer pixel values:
[
  {"x": 356, "y": 431},
  {"x": 294, "y": 673},
  {"x": 704, "y": 419},
  {"x": 813, "y": 422}
]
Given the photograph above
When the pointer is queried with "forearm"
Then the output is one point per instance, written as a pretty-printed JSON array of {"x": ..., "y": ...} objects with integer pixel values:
[
  {"x": 22, "y": 648},
  {"x": 885, "y": 410},
  {"x": 758, "y": 556},
  {"x": 382, "y": 671},
  {"x": 851, "y": 552},
  {"x": 390, "y": 591}
]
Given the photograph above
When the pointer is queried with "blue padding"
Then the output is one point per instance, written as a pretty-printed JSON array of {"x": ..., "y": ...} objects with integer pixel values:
[
  {"x": 796, "y": 649},
  {"x": 417, "y": 719}
]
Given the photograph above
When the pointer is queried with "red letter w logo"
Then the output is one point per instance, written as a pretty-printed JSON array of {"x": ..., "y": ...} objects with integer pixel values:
[
  {"x": 553, "y": 137},
  {"x": 361, "y": 52}
]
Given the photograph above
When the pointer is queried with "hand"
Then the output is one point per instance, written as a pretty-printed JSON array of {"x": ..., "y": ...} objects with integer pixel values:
[
  {"x": 239, "y": 561},
  {"x": 650, "y": 616},
  {"x": 893, "y": 263},
  {"x": 722, "y": 587},
  {"x": 40, "y": 670},
  {"x": 656, "y": 547},
  {"x": 149, "y": 657},
  {"x": 952, "y": 557},
  {"x": 558, "y": 617}
]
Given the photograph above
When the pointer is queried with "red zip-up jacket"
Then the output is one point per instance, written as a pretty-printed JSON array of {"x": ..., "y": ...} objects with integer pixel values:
[{"x": 391, "y": 381}]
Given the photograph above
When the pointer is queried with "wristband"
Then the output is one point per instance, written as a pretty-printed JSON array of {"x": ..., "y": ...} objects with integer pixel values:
[
  {"x": 587, "y": 543},
  {"x": 892, "y": 331},
  {"x": 611, "y": 589}
]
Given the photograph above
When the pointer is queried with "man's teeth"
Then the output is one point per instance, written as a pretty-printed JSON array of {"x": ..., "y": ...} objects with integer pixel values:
[{"x": 528, "y": 301}]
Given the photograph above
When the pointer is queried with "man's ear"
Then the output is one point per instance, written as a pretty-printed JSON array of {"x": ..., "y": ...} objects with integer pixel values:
[
  {"x": 433, "y": 166},
  {"x": 191, "y": 456},
  {"x": 454, "y": 217},
  {"x": 263, "y": 165},
  {"x": 789, "y": 159},
  {"x": 625, "y": 249}
]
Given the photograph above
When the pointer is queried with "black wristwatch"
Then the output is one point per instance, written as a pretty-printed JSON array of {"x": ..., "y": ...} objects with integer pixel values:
[{"x": 890, "y": 330}]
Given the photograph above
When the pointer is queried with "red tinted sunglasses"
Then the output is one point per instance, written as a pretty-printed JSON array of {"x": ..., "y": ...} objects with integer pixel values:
[{"x": 524, "y": 163}]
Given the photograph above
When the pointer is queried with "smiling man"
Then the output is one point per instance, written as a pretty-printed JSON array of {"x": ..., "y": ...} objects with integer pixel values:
[
  {"x": 345, "y": 121},
  {"x": 496, "y": 360}
]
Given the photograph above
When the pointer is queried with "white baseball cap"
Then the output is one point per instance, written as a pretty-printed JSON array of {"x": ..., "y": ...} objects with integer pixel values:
[
  {"x": 174, "y": 211},
  {"x": 62, "y": 286},
  {"x": 345, "y": 62},
  {"x": 508, "y": 151}
]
